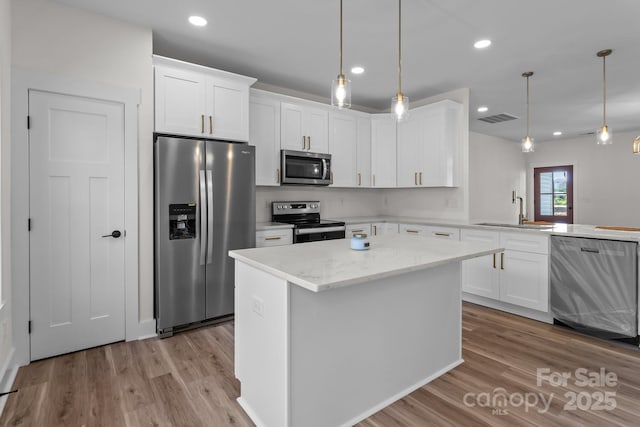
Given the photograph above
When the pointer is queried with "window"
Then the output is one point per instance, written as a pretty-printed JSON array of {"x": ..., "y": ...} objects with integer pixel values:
[{"x": 553, "y": 194}]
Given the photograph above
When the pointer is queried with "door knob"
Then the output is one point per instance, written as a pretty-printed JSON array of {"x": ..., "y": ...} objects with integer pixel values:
[{"x": 115, "y": 234}]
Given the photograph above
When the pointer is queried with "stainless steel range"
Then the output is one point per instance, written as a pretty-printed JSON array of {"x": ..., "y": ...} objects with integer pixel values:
[{"x": 307, "y": 225}]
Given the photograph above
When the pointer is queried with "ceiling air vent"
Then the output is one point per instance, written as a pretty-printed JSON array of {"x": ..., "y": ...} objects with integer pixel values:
[{"x": 498, "y": 118}]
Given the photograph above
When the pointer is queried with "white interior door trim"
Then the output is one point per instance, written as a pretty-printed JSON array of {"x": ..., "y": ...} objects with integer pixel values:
[{"x": 23, "y": 80}]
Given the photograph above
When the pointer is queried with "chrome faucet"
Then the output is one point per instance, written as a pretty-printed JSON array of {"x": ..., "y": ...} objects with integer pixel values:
[{"x": 521, "y": 218}]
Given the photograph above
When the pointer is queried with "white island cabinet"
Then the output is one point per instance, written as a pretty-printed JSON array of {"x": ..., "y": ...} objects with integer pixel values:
[{"x": 327, "y": 336}]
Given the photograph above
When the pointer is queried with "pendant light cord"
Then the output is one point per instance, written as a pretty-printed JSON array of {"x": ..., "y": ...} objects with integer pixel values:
[
  {"x": 527, "y": 106},
  {"x": 604, "y": 91},
  {"x": 341, "y": 38},
  {"x": 399, "y": 46}
]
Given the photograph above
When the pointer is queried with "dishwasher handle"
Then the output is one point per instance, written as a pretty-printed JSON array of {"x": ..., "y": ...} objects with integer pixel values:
[{"x": 590, "y": 250}]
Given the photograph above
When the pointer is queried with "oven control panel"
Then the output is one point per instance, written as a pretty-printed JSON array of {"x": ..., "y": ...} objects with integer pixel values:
[{"x": 288, "y": 208}]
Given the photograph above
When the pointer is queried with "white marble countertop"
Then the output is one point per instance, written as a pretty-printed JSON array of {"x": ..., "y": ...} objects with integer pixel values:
[
  {"x": 320, "y": 266},
  {"x": 261, "y": 226},
  {"x": 573, "y": 230}
]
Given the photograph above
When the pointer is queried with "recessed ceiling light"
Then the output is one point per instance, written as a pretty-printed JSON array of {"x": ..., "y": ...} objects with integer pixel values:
[
  {"x": 481, "y": 44},
  {"x": 357, "y": 70},
  {"x": 198, "y": 21},
  {"x": 557, "y": 133},
  {"x": 483, "y": 109}
]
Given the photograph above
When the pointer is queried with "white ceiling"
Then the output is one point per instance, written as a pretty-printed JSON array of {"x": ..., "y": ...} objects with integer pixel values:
[{"x": 294, "y": 44}]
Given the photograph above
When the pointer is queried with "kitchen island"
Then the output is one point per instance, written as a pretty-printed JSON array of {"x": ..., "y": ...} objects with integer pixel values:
[{"x": 327, "y": 336}]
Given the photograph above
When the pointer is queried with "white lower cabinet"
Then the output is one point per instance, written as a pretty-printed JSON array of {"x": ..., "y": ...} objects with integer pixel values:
[
  {"x": 352, "y": 229},
  {"x": 514, "y": 276},
  {"x": 277, "y": 237},
  {"x": 443, "y": 232},
  {"x": 380, "y": 228}
]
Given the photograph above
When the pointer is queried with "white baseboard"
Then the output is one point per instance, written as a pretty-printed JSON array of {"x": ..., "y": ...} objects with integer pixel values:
[
  {"x": 250, "y": 412},
  {"x": 146, "y": 329},
  {"x": 8, "y": 374},
  {"x": 540, "y": 316}
]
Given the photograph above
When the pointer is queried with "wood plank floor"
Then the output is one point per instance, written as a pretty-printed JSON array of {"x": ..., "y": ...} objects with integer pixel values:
[{"x": 187, "y": 380}]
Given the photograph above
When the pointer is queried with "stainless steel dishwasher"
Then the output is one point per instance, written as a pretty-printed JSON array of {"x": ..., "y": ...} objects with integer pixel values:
[{"x": 594, "y": 285}]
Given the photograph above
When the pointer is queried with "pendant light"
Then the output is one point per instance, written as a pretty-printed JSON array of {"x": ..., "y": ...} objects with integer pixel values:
[
  {"x": 341, "y": 87},
  {"x": 400, "y": 102},
  {"x": 604, "y": 136},
  {"x": 527, "y": 141}
]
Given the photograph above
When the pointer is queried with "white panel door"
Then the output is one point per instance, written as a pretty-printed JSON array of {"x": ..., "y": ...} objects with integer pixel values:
[
  {"x": 342, "y": 147},
  {"x": 264, "y": 134},
  {"x": 363, "y": 152},
  {"x": 524, "y": 280},
  {"x": 317, "y": 128},
  {"x": 293, "y": 136},
  {"x": 410, "y": 142},
  {"x": 76, "y": 197},
  {"x": 480, "y": 276},
  {"x": 227, "y": 110},
  {"x": 179, "y": 102},
  {"x": 383, "y": 150}
]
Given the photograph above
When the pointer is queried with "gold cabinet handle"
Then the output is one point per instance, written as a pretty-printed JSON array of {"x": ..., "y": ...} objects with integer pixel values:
[
  {"x": 272, "y": 238},
  {"x": 359, "y": 179},
  {"x": 278, "y": 176},
  {"x": 309, "y": 141},
  {"x": 442, "y": 234},
  {"x": 331, "y": 176},
  {"x": 412, "y": 231},
  {"x": 211, "y": 125},
  {"x": 494, "y": 260},
  {"x": 375, "y": 230},
  {"x": 415, "y": 178},
  {"x": 304, "y": 142},
  {"x": 202, "y": 123},
  {"x": 420, "y": 175},
  {"x": 356, "y": 231},
  {"x": 501, "y": 260},
  {"x": 373, "y": 178}
]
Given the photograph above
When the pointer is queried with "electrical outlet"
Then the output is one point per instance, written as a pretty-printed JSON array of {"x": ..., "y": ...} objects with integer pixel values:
[{"x": 257, "y": 306}]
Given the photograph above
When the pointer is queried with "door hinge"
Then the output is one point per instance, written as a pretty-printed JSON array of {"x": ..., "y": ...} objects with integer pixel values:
[
  {"x": 28, "y": 224},
  {"x": 28, "y": 122},
  {"x": 29, "y": 326}
]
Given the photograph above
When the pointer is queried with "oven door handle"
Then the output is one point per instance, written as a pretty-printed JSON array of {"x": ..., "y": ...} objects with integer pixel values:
[{"x": 318, "y": 230}]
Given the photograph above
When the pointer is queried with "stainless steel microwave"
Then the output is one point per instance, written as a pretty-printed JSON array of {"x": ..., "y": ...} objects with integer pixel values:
[{"x": 303, "y": 167}]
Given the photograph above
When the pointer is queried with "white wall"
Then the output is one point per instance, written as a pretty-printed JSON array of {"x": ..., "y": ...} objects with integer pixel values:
[
  {"x": 51, "y": 37},
  {"x": 441, "y": 203},
  {"x": 6, "y": 341},
  {"x": 496, "y": 168},
  {"x": 606, "y": 178}
]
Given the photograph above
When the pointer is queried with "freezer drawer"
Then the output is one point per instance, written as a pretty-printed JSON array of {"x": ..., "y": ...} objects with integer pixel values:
[{"x": 593, "y": 285}]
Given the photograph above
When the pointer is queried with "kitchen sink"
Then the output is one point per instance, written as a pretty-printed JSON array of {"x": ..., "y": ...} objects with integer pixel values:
[{"x": 525, "y": 226}]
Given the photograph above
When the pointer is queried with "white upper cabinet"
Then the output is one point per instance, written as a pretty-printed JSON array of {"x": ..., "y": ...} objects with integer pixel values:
[
  {"x": 343, "y": 135},
  {"x": 304, "y": 128},
  {"x": 198, "y": 101},
  {"x": 363, "y": 152},
  {"x": 428, "y": 146},
  {"x": 264, "y": 134},
  {"x": 383, "y": 150}
]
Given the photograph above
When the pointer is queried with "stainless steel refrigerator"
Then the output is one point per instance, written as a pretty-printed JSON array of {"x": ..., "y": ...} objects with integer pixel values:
[{"x": 204, "y": 207}]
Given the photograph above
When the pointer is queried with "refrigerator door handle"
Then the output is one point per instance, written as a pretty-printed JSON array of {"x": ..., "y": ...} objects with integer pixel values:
[
  {"x": 203, "y": 216},
  {"x": 210, "y": 216}
]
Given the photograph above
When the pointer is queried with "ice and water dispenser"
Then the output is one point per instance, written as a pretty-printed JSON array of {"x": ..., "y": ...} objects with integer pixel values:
[{"x": 182, "y": 221}]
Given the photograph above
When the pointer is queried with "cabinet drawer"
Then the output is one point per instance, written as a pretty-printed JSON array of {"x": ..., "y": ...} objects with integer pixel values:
[
  {"x": 413, "y": 229},
  {"x": 265, "y": 238},
  {"x": 526, "y": 242},
  {"x": 482, "y": 236},
  {"x": 380, "y": 228},
  {"x": 443, "y": 232},
  {"x": 352, "y": 229}
]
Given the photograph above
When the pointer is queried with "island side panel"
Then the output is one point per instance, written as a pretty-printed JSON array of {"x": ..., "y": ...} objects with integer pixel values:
[
  {"x": 261, "y": 345},
  {"x": 357, "y": 349}
]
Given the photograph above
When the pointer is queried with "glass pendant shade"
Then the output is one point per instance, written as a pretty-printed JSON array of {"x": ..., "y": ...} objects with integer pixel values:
[
  {"x": 400, "y": 106},
  {"x": 527, "y": 144},
  {"x": 636, "y": 145},
  {"x": 341, "y": 92},
  {"x": 604, "y": 136}
]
